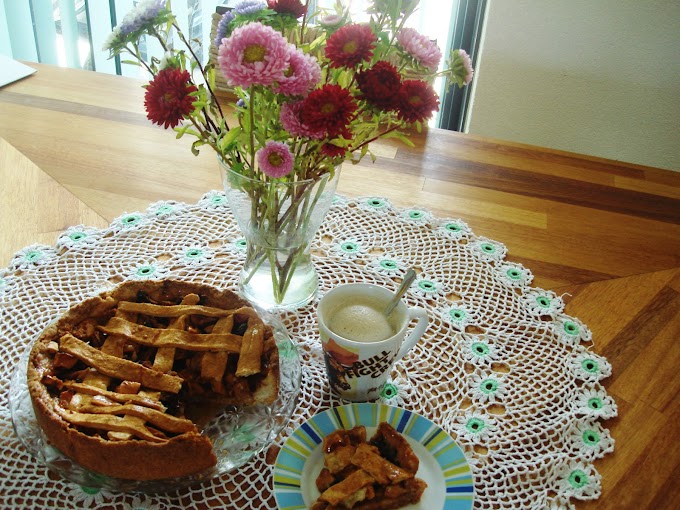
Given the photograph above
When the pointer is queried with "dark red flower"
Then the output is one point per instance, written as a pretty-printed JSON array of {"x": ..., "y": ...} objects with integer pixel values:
[
  {"x": 294, "y": 7},
  {"x": 350, "y": 46},
  {"x": 417, "y": 101},
  {"x": 380, "y": 85},
  {"x": 167, "y": 98},
  {"x": 328, "y": 109},
  {"x": 332, "y": 150}
]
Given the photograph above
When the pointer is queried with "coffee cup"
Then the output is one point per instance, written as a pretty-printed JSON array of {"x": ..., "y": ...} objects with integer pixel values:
[{"x": 361, "y": 344}]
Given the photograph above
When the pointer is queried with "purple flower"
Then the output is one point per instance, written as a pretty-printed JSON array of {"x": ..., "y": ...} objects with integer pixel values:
[
  {"x": 222, "y": 27},
  {"x": 275, "y": 159},
  {"x": 253, "y": 54},
  {"x": 420, "y": 48},
  {"x": 143, "y": 13},
  {"x": 249, "y": 7}
]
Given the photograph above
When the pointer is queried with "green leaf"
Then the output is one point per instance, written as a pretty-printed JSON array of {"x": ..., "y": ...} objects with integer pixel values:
[
  {"x": 195, "y": 146},
  {"x": 229, "y": 140},
  {"x": 131, "y": 62}
]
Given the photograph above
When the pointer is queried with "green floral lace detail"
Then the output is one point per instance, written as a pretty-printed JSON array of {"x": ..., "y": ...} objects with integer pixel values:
[
  {"x": 488, "y": 386},
  {"x": 389, "y": 265},
  {"x": 416, "y": 214},
  {"x": 218, "y": 199},
  {"x": 376, "y": 203},
  {"x": 427, "y": 286},
  {"x": 286, "y": 349},
  {"x": 164, "y": 209},
  {"x": 578, "y": 479},
  {"x": 34, "y": 256},
  {"x": 591, "y": 437},
  {"x": 241, "y": 243},
  {"x": 590, "y": 365},
  {"x": 389, "y": 391},
  {"x": 349, "y": 247},
  {"x": 571, "y": 328},
  {"x": 146, "y": 271},
  {"x": 90, "y": 490},
  {"x": 453, "y": 227},
  {"x": 488, "y": 248},
  {"x": 595, "y": 403},
  {"x": 543, "y": 301},
  {"x": 457, "y": 314},
  {"x": 130, "y": 220},
  {"x": 77, "y": 236},
  {"x": 480, "y": 349},
  {"x": 475, "y": 425},
  {"x": 514, "y": 274},
  {"x": 193, "y": 253}
]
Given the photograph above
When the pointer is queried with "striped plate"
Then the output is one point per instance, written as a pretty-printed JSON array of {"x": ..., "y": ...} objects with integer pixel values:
[{"x": 442, "y": 463}]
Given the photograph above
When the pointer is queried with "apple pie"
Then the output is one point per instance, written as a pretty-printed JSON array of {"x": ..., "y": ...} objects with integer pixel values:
[
  {"x": 123, "y": 382},
  {"x": 378, "y": 474}
]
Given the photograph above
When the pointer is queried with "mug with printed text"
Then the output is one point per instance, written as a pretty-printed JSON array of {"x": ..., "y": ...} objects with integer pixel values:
[{"x": 361, "y": 344}]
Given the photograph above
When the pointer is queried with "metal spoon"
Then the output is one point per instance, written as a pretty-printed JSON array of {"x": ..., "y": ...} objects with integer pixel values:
[{"x": 405, "y": 284}]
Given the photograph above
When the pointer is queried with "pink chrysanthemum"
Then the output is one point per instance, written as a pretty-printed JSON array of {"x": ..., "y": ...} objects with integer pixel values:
[
  {"x": 275, "y": 159},
  {"x": 290, "y": 119},
  {"x": 302, "y": 75},
  {"x": 467, "y": 65},
  {"x": 420, "y": 48},
  {"x": 254, "y": 54}
]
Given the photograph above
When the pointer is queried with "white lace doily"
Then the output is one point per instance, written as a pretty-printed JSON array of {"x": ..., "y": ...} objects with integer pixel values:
[{"x": 502, "y": 367}]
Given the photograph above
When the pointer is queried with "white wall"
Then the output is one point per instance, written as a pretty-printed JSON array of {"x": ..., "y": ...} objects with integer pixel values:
[{"x": 599, "y": 77}]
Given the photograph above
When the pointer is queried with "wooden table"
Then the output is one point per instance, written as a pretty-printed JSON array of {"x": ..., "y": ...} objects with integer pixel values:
[{"x": 75, "y": 147}]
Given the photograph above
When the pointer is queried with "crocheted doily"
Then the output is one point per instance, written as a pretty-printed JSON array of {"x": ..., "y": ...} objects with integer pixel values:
[{"x": 501, "y": 367}]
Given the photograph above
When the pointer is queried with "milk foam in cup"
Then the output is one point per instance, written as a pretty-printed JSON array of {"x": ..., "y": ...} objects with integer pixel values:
[
  {"x": 361, "y": 344},
  {"x": 361, "y": 321}
]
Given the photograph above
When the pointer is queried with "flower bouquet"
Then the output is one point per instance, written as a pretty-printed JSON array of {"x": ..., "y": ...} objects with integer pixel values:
[{"x": 311, "y": 90}]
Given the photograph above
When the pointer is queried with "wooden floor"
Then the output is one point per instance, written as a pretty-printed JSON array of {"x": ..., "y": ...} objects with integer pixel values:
[{"x": 606, "y": 235}]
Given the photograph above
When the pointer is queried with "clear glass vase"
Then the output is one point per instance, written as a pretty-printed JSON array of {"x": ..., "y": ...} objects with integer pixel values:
[{"x": 278, "y": 220}]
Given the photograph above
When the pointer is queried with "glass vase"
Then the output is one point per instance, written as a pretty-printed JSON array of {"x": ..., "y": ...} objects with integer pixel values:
[{"x": 279, "y": 220}]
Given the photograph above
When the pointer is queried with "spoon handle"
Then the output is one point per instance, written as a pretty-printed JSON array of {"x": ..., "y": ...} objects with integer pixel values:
[{"x": 405, "y": 284}]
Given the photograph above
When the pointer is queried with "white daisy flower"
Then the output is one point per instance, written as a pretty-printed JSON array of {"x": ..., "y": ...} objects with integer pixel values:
[
  {"x": 378, "y": 205},
  {"x": 571, "y": 331},
  {"x": 196, "y": 255},
  {"x": 129, "y": 221},
  {"x": 150, "y": 271},
  {"x": 33, "y": 256},
  {"x": 590, "y": 367},
  {"x": 396, "y": 392},
  {"x": 454, "y": 229},
  {"x": 426, "y": 287},
  {"x": 488, "y": 250},
  {"x": 416, "y": 216},
  {"x": 592, "y": 441},
  {"x": 237, "y": 246},
  {"x": 514, "y": 275},
  {"x": 79, "y": 236},
  {"x": 349, "y": 248},
  {"x": 595, "y": 403},
  {"x": 460, "y": 315},
  {"x": 543, "y": 302},
  {"x": 88, "y": 497},
  {"x": 388, "y": 266},
  {"x": 165, "y": 209},
  {"x": 478, "y": 351},
  {"x": 214, "y": 200},
  {"x": 474, "y": 427},
  {"x": 487, "y": 387},
  {"x": 579, "y": 481}
]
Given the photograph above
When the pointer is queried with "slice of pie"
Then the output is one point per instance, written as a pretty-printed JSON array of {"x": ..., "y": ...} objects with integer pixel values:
[{"x": 123, "y": 382}]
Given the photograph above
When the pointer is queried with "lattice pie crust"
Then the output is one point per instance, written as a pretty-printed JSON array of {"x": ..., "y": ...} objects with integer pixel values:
[{"x": 123, "y": 383}]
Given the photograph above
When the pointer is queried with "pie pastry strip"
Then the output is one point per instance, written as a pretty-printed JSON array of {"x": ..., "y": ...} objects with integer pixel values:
[
  {"x": 214, "y": 364},
  {"x": 163, "y": 421},
  {"x": 160, "y": 338},
  {"x": 250, "y": 359},
  {"x": 117, "y": 367},
  {"x": 368, "y": 458},
  {"x": 129, "y": 424},
  {"x": 171, "y": 311},
  {"x": 165, "y": 356},
  {"x": 123, "y": 398}
]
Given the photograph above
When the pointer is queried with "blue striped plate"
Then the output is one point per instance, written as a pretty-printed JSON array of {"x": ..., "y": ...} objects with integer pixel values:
[{"x": 442, "y": 463}]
